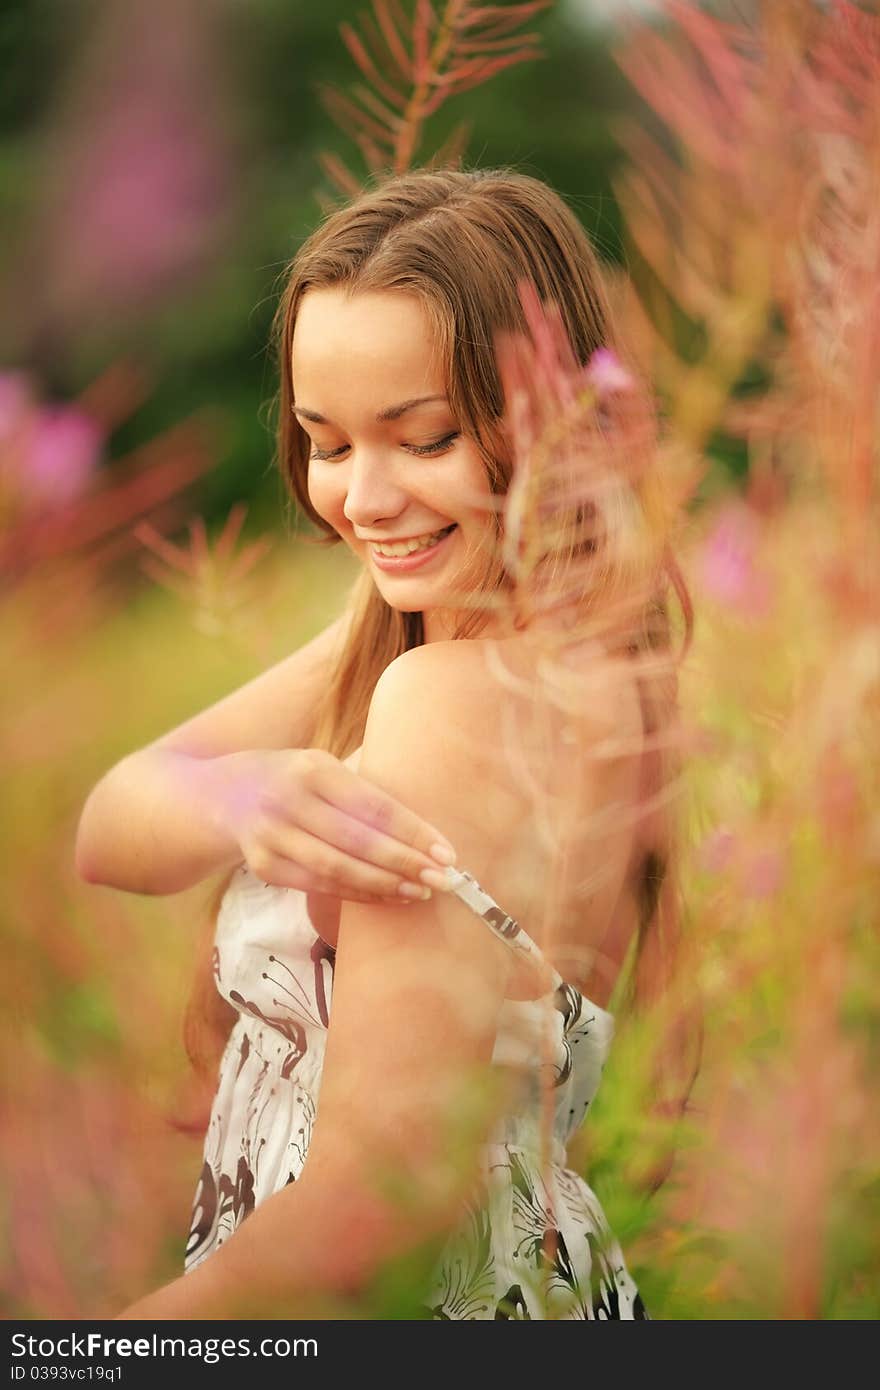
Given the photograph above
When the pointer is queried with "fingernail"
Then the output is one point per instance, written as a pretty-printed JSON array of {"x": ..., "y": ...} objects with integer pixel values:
[
  {"x": 444, "y": 854},
  {"x": 412, "y": 890},
  {"x": 436, "y": 879}
]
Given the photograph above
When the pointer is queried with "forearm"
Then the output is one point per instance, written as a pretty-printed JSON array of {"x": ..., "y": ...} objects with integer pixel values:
[
  {"x": 151, "y": 825},
  {"x": 296, "y": 1256},
  {"x": 364, "y": 1198}
]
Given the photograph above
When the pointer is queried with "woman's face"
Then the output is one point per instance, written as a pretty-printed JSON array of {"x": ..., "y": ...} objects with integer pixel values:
[{"x": 388, "y": 470}]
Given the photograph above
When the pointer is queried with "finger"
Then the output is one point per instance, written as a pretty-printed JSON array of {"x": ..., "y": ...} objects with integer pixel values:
[
  {"x": 277, "y": 871},
  {"x": 346, "y": 875},
  {"x": 345, "y": 789},
  {"x": 359, "y": 841}
]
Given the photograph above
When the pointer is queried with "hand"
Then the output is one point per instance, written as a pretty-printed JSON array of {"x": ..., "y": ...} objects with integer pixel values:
[{"x": 303, "y": 819}]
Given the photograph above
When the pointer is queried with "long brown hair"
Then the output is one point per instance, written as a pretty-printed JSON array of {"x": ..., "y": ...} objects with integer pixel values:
[{"x": 462, "y": 241}]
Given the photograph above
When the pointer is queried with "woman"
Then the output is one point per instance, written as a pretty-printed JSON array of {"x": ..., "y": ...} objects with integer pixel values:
[{"x": 480, "y": 699}]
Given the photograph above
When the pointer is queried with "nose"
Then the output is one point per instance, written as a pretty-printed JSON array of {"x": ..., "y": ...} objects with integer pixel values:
[{"x": 372, "y": 494}]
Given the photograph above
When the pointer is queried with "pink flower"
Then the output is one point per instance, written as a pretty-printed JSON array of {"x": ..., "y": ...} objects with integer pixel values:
[
  {"x": 728, "y": 563},
  {"x": 148, "y": 198},
  {"x": 140, "y": 192},
  {"x": 48, "y": 453},
  {"x": 64, "y": 447},
  {"x": 606, "y": 373}
]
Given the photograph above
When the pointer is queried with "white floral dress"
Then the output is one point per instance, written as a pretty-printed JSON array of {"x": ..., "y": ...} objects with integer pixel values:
[{"x": 534, "y": 1242}]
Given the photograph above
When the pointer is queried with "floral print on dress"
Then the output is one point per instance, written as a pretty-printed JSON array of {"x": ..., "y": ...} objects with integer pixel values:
[{"x": 532, "y": 1242}]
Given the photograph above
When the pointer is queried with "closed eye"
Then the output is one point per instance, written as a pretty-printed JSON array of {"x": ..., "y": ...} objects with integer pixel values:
[
  {"x": 327, "y": 453},
  {"x": 438, "y": 446}
]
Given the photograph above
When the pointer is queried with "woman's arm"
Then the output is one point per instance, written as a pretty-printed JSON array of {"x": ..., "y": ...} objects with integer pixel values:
[
  {"x": 414, "y": 1015},
  {"x": 233, "y": 785},
  {"x": 148, "y": 825}
]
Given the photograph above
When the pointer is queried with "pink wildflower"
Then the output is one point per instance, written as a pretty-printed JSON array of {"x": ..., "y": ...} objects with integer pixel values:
[
  {"x": 606, "y": 373},
  {"x": 64, "y": 446},
  {"x": 141, "y": 193},
  {"x": 728, "y": 563},
  {"x": 49, "y": 452}
]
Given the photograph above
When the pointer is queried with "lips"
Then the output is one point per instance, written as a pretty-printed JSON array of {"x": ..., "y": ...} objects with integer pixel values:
[
  {"x": 404, "y": 540},
  {"x": 415, "y": 558}
]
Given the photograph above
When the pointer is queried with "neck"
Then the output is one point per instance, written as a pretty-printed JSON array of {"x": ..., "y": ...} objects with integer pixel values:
[{"x": 440, "y": 625}]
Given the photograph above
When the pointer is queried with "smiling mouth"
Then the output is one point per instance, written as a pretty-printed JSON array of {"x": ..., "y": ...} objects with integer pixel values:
[{"x": 410, "y": 547}]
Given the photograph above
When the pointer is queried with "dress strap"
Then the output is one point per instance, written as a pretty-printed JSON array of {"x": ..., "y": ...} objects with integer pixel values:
[{"x": 505, "y": 927}]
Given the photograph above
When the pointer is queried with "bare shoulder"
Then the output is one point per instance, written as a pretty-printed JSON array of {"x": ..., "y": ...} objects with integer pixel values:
[
  {"x": 493, "y": 690},
  {"x": 457, "y": 694},
  {"x": 448, "y": 674},
  {"x": 441, "y": 687},
  {"x": 532, "y": 768},
  {"x": 499, "y": 720}
]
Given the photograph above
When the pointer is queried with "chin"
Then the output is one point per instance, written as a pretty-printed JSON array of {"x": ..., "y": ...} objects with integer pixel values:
[{"x": 396, "y": 598}]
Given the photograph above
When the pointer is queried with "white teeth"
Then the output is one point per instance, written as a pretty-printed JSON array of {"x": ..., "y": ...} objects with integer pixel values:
[{"x": 407, "y": 547}]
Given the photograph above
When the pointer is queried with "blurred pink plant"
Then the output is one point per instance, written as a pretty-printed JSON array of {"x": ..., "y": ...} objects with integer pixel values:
[
  {"x": 139, "y": 189},
  {"x": 607, "y": 373},
  {"x": 782, "y": 1121},
  {"x": 65, "y": 451},
  {"x": 728, "y": 562},
  {"x": 56, "y": 497},
  {"x": 756, "y": 243},
  {"x": 49, "y": 454},
  {"x": 585, "y": 445}
]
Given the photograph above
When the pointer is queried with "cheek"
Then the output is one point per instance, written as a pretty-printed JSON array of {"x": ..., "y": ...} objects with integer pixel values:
[
  {"x": 476, "y": 492},
  {"x": 325, "y": 495}
]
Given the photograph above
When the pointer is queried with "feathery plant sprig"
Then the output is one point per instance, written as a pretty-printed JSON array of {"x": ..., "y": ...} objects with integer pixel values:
[
  {"x": 412, "y": 62},
  {"x": 210, "y": 576}
]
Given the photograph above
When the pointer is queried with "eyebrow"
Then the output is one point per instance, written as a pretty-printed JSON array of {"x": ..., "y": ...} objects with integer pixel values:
[{"x": 392, "y": 412}]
